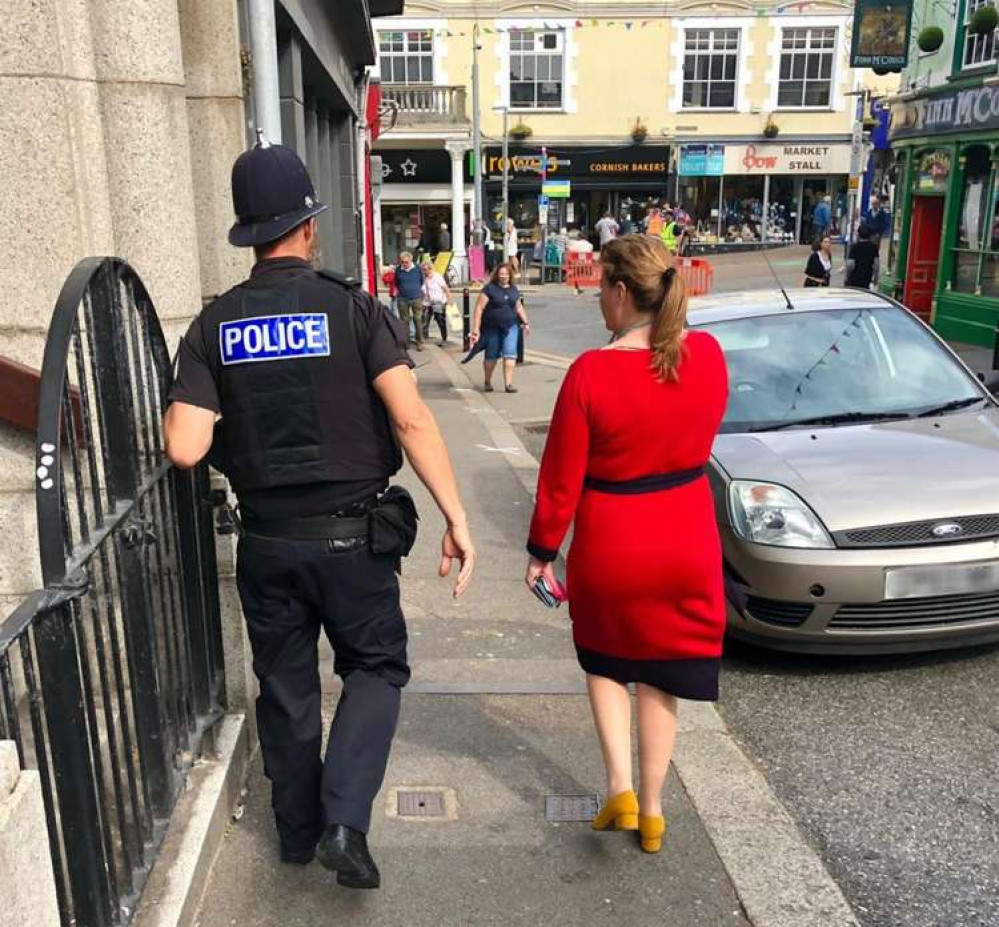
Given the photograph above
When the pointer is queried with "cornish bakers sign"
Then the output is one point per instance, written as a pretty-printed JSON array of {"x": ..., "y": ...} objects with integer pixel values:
[
  {"x": 787, "y": 159},
  {"x": 975, "y": 108}
]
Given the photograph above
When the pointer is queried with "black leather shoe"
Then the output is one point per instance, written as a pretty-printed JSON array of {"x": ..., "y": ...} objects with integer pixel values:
[
  {"x": 298, "y": 857},
  {"x": 344, "y": 851}
]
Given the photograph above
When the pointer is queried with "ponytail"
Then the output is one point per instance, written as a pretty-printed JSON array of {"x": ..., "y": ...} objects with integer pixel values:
[
  {"x": 648, "y": 271},
  {"x": 667, "y": 326}
]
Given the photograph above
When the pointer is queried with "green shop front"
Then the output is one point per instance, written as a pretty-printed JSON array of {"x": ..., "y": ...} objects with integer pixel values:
[{"x": 942, "y": 259}]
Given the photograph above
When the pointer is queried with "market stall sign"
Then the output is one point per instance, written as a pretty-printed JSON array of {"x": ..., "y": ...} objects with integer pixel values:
[
  {"x": 787, "y": 159},
  {"x": 957, "y": 111},
  {"x": 702, "y": 160},
  {"x": 633, "y": 162},
  {"x": 934, "y": 172},
  {"x": 881, "y": 34}
]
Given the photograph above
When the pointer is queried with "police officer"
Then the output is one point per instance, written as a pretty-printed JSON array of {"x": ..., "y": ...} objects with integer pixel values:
[{"x": 314, "y": 392}]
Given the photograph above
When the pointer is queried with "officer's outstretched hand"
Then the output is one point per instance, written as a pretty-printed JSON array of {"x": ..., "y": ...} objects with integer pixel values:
[{"x": 457, "y": 545}]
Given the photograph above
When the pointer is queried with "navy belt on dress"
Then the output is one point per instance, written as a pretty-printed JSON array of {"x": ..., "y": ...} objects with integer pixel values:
[{"x": 645, "y": 484}]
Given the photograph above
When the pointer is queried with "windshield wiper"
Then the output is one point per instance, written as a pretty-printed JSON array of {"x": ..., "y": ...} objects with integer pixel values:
[
  {"x": 952, "y": 406},
  {"x": 840, "y": 418}
]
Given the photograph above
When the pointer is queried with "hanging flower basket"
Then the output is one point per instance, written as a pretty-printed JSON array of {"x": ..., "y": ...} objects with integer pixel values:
[
  {"x": 771, "y": 129},
  {"x": 930, "y": 39},
  {"x": 985, "y": 21},
  {"x": 639, "y": 132},
  {"x": 521, "y": 130}
]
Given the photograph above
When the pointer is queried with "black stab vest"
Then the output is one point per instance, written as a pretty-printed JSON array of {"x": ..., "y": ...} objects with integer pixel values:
[{"x": 297, "y": 406}]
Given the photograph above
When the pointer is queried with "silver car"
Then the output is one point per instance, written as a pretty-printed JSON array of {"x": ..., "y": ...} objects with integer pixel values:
[{"x": 856, "y": 477}]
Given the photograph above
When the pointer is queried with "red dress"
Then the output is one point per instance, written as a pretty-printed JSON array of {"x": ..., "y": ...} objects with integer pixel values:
[{"x": 645, "y": 569}]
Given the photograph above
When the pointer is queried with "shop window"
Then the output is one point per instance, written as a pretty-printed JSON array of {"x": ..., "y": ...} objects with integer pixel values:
[
  {"x": 406, "y": 57},
  {"x": 710, "y": 65},
  {"x": 536, "y": 69},
  {"x": 970, "y": 246},
  {"x": 742, "y": 218},
  {"x": 978, "y": 49},
  {"x": 806, "y": 67}
]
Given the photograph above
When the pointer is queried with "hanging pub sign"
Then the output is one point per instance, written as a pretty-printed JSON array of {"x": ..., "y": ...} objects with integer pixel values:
[
  {"x": 881, "y": 34},
  {"x": 934, "y": 172}
]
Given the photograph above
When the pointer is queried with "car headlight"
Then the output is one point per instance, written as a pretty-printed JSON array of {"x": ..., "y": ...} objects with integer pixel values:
[{"x": 767, "y": 514}]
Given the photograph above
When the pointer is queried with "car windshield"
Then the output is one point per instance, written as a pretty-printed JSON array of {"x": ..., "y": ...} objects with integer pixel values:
[{"x": 844, "y": 365}]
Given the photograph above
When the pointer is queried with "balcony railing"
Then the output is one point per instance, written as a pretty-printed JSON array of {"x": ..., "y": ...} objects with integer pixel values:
[{"x": 425, "y": 104}]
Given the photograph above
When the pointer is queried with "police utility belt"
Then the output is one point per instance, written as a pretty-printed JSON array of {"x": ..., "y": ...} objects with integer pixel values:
[{"x": 389, "y": 524}]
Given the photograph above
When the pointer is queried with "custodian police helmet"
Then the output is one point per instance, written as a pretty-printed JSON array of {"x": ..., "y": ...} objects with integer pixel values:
[{"x": 272, "y": 193}]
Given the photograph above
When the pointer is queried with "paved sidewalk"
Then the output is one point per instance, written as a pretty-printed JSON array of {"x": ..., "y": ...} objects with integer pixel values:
[{"x": 496, "y": 716}]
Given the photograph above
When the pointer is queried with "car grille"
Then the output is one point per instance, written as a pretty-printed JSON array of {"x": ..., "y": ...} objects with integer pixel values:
[
  {"x": 909, "y": 534},
  {"x": 772, "y": 611},
  {"x": 918, "y": 613}
]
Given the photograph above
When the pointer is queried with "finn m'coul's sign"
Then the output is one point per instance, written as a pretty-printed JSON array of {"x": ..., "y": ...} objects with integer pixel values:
[
  {"x": 957, "y": 111},
  {"x": 881, "y": 31}
]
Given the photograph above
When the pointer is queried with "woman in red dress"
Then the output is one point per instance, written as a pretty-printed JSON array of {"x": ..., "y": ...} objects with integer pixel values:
[{"x": 629, "y": 440}]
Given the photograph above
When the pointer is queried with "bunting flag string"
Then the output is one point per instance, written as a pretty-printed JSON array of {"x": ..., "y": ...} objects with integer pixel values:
[{"x": 628, "y": 24}]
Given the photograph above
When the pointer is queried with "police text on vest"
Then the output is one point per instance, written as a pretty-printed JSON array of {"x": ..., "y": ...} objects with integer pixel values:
[{"x": 274, "y": 337}]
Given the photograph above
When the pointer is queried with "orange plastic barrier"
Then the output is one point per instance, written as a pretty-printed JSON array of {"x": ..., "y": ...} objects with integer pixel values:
[
  {"x": 582, "y": 270},
  {"x": 698, "y": 274}
]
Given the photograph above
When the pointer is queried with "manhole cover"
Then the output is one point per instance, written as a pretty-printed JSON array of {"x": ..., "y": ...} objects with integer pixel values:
[
  {"x": 425, "y": 804},
  {"x": 571, "y": 808}
]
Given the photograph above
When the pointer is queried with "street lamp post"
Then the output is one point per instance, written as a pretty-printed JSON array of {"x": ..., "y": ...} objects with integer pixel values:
[
  {"x": 506, "y": 165},
  {"x": 477, "y": 211}
]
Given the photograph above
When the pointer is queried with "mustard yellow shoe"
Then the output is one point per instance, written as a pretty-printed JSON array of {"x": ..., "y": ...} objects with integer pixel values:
[
  {"x": 651, "y": 830},
  {"x": 618, "y": 813}
]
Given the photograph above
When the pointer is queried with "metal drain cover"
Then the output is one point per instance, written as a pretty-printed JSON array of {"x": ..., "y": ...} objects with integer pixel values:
[
  {"x": 424, "y": 804},
  {"x": 571, "y": 808}
]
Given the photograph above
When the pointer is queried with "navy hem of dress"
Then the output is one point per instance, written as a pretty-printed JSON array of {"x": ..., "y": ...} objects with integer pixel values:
[
  {"x": 544, "y": 554},
  {"x": 694, "y": 678}
]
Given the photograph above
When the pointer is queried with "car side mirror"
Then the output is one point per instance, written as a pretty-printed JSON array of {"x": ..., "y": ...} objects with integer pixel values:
[{"x": 990, "y": 381}]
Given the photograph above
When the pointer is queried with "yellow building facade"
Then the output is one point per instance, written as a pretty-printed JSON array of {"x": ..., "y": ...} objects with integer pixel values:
[{"x": 741, "y": 114}]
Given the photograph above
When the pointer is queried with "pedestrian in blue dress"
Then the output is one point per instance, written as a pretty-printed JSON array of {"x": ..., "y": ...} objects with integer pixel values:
[{"x": 498, "y": 312}]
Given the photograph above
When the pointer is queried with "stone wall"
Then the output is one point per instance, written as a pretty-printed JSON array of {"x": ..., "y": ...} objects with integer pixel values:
[
  {"x": 29, "y": 894},
  {"x": 120, "y": 125}
]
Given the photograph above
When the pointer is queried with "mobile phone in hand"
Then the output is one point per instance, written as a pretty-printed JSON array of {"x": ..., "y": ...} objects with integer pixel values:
[{"x": 550, "y": 598}]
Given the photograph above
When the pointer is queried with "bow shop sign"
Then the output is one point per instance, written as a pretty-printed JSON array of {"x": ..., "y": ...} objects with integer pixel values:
[
  {"x": 975, "y": 108},
  {"x": 787, "y": 159}
]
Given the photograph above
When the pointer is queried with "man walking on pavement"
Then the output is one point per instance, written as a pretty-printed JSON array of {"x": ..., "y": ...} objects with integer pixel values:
[
  {"x": 822, "y": 219},
  {"x": 313, "y": 384},
  {"x": 409, "y": 296},
  {"x": 607, "y": 228}
]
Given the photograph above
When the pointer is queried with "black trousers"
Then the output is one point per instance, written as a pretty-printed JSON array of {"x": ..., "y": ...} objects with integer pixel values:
[{"x": 289, "y": 590}]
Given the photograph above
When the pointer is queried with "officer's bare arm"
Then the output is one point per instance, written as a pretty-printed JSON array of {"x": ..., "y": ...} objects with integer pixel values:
[
  {"x": 187, "y": 433},
  {"x": 421, "y": 439}
]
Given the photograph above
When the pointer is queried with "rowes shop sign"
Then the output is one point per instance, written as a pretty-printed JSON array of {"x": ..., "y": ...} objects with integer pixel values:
[{"x": 975, "y": 108}]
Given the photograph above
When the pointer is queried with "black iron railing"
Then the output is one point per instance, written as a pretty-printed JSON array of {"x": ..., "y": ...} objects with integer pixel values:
[{"x": 110, "y": 675}]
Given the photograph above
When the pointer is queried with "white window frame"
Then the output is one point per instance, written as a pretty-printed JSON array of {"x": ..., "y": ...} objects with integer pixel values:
[
  {"x": 538, "y": 53},
  {"x": 710, "y": 53},
  {"x": 841, "y": 60},
  {"x": 414, "y": 24},
  {"x": 570, "y": 55},
  {"x": 977, "y": 41},
  {"x": 831, "y": 52},
  {"x": 743, "y": 71}
]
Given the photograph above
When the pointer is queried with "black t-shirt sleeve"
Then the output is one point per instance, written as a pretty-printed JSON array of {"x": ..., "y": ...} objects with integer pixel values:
[
  {"x": 382, "y": 339},
  {"x": 194, "y": 380}
]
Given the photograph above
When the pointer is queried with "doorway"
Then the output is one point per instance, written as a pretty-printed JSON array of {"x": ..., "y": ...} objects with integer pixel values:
[{"x": 924, "y": 254}]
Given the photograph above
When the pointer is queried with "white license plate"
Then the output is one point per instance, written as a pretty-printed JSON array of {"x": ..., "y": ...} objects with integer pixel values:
[{"x": 953, "y": 579}]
